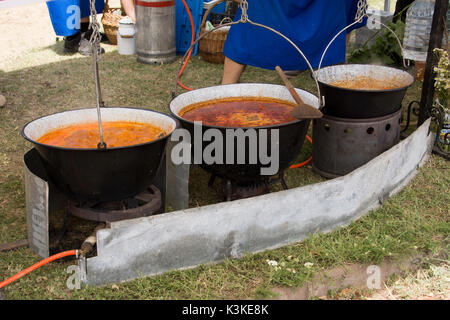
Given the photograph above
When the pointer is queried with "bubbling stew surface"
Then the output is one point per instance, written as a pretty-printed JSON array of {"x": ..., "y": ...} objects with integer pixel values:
[
  {"x": 240, "y": 112},
  {"x": 367, "y": 83},
  {"x": 115, "y": 134}
]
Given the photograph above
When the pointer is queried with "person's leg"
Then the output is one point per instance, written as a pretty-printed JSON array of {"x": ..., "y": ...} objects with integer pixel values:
[
  {"x": 84, "y": 24},
  {"x": 231, "y": 71},
  {"x": 72, "y": 43},
  {"x": 85, "y": 47}
]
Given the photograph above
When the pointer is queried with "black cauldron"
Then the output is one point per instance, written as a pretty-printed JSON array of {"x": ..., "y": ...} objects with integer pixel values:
[
  {"x": 362, "y": 104},
  {"x": 97, "y": 175},
  {"x": 291, "y": 135}
]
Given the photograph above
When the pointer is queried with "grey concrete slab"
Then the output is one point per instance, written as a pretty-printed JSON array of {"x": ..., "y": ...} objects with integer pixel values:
[
  {"x": 177, "y": 194},
  {"x": 188, "y": 238}
]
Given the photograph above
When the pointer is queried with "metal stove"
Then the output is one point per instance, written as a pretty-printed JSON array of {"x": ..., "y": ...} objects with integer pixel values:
[
  {"x": 46, "y": 206},
  {"x": 341, "y": 145}
]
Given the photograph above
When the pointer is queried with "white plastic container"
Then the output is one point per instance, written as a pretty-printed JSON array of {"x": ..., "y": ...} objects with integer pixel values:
[
  {"x": 417, "y": 31},
  {"x": 126, "y": 37}
]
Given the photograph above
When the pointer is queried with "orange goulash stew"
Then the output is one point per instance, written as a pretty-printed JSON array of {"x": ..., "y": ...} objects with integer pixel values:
[
  {"x": 240, "y": 112},
  {"x": 366, "y": 83},
  {"x": 115, "y": 134}
]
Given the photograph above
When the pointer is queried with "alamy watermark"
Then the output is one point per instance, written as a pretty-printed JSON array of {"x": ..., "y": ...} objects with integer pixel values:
[
  {"x": 228, "y": 146},
  {"x": 73, "y": 21},
  {"x": 74, "y": 280}
]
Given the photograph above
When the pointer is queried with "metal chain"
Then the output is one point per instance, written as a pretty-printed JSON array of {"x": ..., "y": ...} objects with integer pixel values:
[
  {"x": 361, "y": 12},
  {"x": 244, "y": 7},
  {"x": 95, "y": 46},
  {"x": 95, "y": 26}
]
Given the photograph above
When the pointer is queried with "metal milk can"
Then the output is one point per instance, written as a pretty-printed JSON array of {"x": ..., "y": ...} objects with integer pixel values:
[
  {"x": 126, "y": 37},
  {"x": 155, "y": 31}
]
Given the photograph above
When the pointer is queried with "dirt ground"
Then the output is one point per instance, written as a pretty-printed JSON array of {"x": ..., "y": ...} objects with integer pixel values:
[
  {"x": 27, "y": 37},
  {"x": 24, "y": 29},
  {"x": 414, "y": 278}
]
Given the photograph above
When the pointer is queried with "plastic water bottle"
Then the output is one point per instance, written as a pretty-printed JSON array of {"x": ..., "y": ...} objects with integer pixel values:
[{"x": 419, "y": 18}]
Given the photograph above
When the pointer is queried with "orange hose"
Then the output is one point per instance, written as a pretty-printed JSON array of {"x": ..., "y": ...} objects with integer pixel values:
[
  {"x": 304, "y": 163},
  {"x": 190, "y": 51},
  {"x": 38, "y": 265}
]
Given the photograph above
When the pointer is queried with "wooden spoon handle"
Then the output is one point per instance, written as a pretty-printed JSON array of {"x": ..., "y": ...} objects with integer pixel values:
[{"x": 289, "y": 86}]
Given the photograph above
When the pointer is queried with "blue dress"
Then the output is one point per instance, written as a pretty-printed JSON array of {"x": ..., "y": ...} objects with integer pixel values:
[
  {"x": 85, "y": 9},
  {"x": 310, "y": 24},
  {"x": 63, "y": 14}
]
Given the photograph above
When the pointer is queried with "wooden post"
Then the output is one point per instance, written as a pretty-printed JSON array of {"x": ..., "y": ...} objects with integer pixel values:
[{"x": 437, "y": 32}]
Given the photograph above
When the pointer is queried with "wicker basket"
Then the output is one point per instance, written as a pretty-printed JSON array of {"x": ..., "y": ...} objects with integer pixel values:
[
  {"x": 110, "y": 22},
  {"x": 210, "y": 47}
]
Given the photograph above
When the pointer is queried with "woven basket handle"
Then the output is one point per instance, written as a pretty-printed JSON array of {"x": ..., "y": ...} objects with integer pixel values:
[{"x": 210, "y": 8}]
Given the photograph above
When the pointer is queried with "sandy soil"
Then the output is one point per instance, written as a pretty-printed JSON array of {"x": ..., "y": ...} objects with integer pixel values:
[
  {"x": 23, "y": 29},
  {"x": 27, "y": 37}
]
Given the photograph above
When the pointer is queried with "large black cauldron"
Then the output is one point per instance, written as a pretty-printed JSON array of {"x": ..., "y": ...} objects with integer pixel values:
[
  {"x": 362, "y": 104},
  {"x": 291, "y": 135},
  {"x": 96, "y": 175}
]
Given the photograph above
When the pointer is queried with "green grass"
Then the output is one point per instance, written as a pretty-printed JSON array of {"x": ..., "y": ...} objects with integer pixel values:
[{"x": 414, "y": 221}]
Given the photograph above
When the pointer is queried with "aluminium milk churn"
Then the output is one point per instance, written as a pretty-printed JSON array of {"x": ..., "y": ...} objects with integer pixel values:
[
  {"x": 155, "y": 31},
  {"x": 126, "y": 37}
]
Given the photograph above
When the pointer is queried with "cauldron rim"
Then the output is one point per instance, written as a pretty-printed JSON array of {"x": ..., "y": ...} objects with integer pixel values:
[
  {"x": 24, "y": 135},
  {"x": 363, "y": 90},
  {"x": 274, "y": 126}
]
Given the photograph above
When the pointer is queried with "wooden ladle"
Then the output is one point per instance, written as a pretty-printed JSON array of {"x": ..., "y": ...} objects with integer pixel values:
[{"x": 302, "y": 110}]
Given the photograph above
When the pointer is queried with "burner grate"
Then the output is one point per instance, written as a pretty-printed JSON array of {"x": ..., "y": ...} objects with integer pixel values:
[
  {"x": 233, "y": 190},
  {"x": 144, "y": 204}
]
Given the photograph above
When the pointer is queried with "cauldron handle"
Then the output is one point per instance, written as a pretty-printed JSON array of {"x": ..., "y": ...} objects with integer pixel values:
[
  {"x": 244, "y": 19},
  {"x": 360, "y": 15}
]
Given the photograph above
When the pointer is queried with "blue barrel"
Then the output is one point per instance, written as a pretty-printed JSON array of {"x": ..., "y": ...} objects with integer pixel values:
[
  {"x": 183, "y": 31},
  {"x": 65, "y": 14}
]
